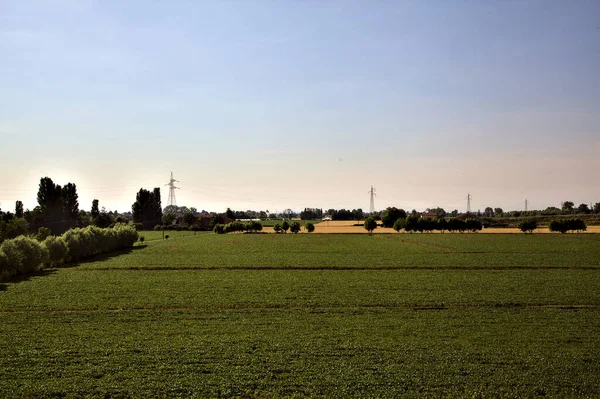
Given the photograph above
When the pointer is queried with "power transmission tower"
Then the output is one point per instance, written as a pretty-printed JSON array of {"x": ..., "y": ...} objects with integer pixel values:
[
  {"x": 172, "y": 189},
  {"x": 468, "y": 203},
  {"x": 526, "y": 203},
  {"x": 372, "y": 204}
]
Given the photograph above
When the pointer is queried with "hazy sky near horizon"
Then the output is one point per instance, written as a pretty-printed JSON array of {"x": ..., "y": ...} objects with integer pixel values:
[{"x": 292, "y": 104}]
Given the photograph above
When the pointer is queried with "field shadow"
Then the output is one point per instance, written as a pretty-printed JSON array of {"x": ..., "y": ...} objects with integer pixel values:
[
  {"x": 105, "y": 257},
  {"x": 24, "y": 277}
]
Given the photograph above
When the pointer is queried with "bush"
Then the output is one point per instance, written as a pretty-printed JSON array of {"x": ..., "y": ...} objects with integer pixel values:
[
  {"x": 142, "y": 239},
  {"x": 57, "y": 250},
  {"x": 309, "y": 227},
  {"x": 43, "y": 233},
  {"x": 219, "y": 229},
  {"x": 527, "y": 226},
  {"x": 399, "y": 224},
  {"x": 23, "y": 255},
  {"x": 138, "y": 226},
  {"x": 277, "y": 228},
  {"x": 285, "y": 226},
  {"x": 158, "y": 227},
  {"x": 4, "y": 266}
]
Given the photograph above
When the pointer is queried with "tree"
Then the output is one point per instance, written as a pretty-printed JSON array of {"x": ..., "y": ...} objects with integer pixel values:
[
  {"x": 285, "y": 226},
  {"x": 70, "y": 204},
  {"x": 488, "y": 212},
  {"x": 370, "y": 225},
  {"x": 567, "y": 206},
  {"x": 189, "y": 218},
  {"x": 390, "y": 215},
  {"x": 309, "y": 227},
  {"x": 597, "y": 207},
  {"x": 498, "y": 212},
  {"x": 558, "y": 226},
  {"x": 295, "y": 227},
  {"x": 399, "y": 224},
  {"x": 277, "y": 228},
  {"x": 95, "y": 210},
  {"x": 229, "y": 214},
  {"x": 147, "y": 208},
  {"x": 527, "y": 226},
  {"x": 583, "y": 208},
  {"x": 18, "y": 209},
  {"x": 167, "y": 219}
]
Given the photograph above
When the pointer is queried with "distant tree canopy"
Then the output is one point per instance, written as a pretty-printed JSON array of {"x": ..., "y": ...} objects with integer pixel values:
[
  {"x": 346, "y": 214},
  {"x": 147, "y": 208},
  {"x": 311, "y": 214},
  {"x": 58, "y": 206},
  {"x": 390, "y": 215}
]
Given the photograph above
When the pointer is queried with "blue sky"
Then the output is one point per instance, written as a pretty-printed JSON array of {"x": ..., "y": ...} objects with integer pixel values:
[{"x": 293, "y": 104}]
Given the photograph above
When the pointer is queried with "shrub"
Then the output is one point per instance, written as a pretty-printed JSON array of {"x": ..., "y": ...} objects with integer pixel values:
[
  {"x": 277, "y": 228},
  {"x": 24, "y": 255},
  {"x": 57, "y": 250},
  {"x": 142, "y": 239},
  {"x": 219, "y": 229},
  {"x": 43, "y": 233},
  {"x": 285, "y": 226},
  {"x": 158, "y": 227},
  {"x": 138, "y": 226},
  {"x": 4, "y": 266},
  {"x": 309, "y": 227}
]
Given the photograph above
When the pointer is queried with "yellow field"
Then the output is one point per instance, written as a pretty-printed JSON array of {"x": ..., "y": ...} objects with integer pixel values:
[{"x": 346, "y": 227}]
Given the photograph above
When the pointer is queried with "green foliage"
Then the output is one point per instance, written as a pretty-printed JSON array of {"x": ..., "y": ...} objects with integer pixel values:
[
  {"x": 399, "y": 224},
  {"x": 391, "y": 215},
  {"x": 13, "y": 228},
  {"x": 370, "y": 224},
  {"x": 295, "y": 227},
  {"x": 92, "y": 240},
  {"x": 189, "y": 218},
  {"x": 309, "y": 227},
  {"x": 253, "y": 226},
  {"x": 219, "y": 229},
  {"x": 147, "y": 208},
  {"x": 565, "y": 225},
  {"x": 24, "y": 255},
  {"x": 57, "y": 250},
  {"x": 18, "y": 209},
  {"x": 43, "y": 233},
  {"x": 277, "y": 228},
  {"x": 527, "y": 226},
  {"x": 285, "y": 226},
  {"x": 412, "y": 223}
]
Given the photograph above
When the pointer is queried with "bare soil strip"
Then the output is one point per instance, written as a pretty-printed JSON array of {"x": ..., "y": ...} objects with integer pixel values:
[
  {"x": 348, "y": 227},
  {"x": 374, "y": 268},
  {"x": 304, "y": 308}
]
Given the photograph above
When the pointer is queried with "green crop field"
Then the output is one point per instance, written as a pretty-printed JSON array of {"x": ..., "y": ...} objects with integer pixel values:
[{"x": 205, "y": 315}]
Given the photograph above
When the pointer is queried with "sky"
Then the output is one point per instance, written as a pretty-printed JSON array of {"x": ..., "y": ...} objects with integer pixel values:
[{"x": 268, "y": 105}]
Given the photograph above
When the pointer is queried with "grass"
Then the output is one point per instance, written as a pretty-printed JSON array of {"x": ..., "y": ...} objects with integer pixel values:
[{"x": 311, "y": 315}]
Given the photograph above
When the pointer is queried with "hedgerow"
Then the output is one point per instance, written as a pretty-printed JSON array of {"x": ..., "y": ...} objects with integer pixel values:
[{"x": 25, "y": 255}]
